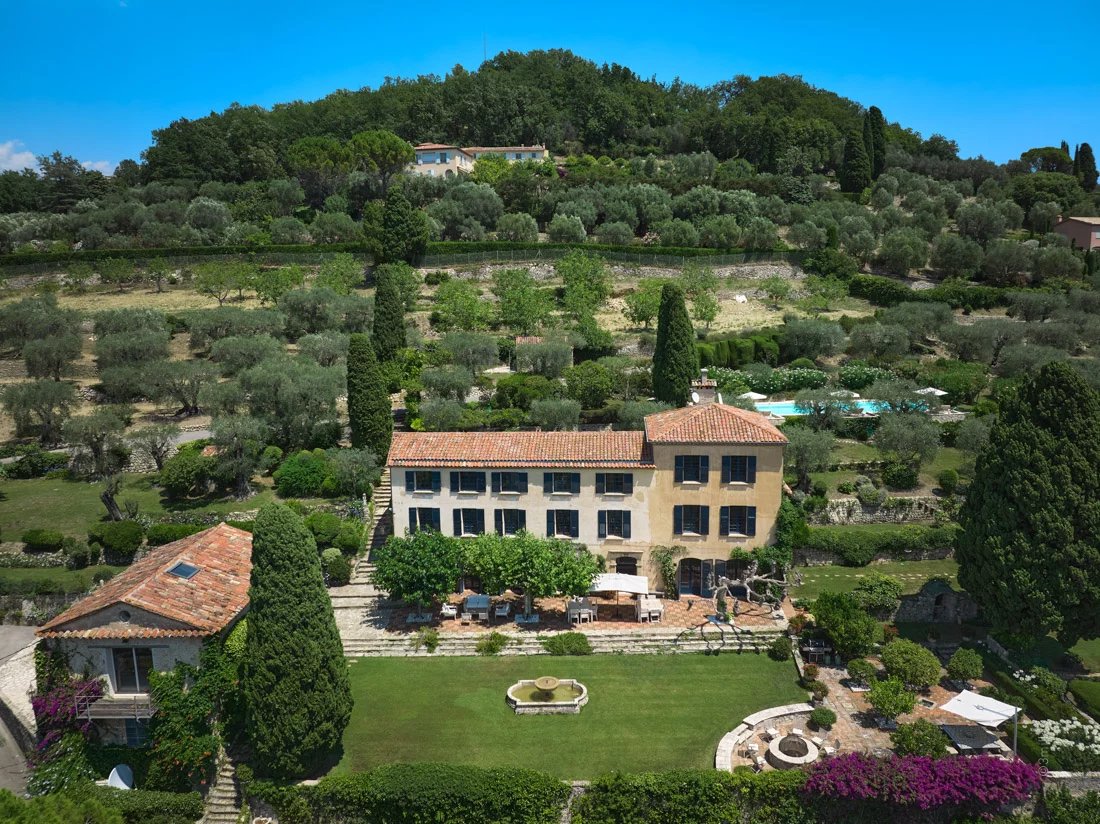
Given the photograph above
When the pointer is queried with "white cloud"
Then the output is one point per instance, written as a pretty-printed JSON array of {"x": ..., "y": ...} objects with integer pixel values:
[
  {"x": 13, "y": 160},
  {"x": 105, "y": 166}
]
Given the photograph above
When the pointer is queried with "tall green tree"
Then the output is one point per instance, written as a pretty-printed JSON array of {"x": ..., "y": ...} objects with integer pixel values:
[
  {"x": 855, "y": 171},
  {"x": 877, "y": 151},
  {"x": 295, "y": 681},
  {"x": 675, "y": 361},
  {"x": 1029, "y": 550},
  {"x": 404, "y": 229},
  {"x": 381, "y": 154},
  {"x": 389, "y": 315},
  {"x": 369, "y": 407},
  {"x": 1084, "y": 167}
]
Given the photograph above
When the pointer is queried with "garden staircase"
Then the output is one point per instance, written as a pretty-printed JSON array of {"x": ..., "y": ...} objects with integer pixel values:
[
  {"x": 381, "y": 527},
  {"x": 223, "y": 801}
]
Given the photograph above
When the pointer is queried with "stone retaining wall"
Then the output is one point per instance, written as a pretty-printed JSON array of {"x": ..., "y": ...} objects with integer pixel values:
[
  {"x": 904, "y": 510},
  {"x": 811, "y": 557}
]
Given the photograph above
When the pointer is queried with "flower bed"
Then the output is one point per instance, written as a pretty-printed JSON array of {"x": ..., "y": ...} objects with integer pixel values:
[{"x": 1074, "y": 743}]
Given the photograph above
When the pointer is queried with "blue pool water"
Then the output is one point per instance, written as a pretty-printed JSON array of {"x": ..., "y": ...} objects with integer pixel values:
[{"x": 788, "y": 407}]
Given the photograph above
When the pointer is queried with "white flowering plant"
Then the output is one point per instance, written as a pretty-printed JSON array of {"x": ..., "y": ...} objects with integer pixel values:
[{"x": 1074, "y": 743}]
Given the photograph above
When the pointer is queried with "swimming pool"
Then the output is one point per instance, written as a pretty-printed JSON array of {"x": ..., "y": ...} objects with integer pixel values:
[{"x": 786, "y": 408}]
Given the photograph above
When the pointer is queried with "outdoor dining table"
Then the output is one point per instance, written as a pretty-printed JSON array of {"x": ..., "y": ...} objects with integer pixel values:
[
  {"x": 478, "y": 606},
  {"x": 581, "y": 610}
]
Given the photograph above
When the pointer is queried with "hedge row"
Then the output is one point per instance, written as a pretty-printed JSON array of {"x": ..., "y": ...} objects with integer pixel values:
[
  {"x": 694, "y": 797},
  {"x": 857, "y": 546},
  {"x": 148, "y": 806},
  {"x": 883, "y": 291},
  {"x": 1038, "y": 705},
  {"x": 421, "y": 794},
  {"x": 1087, "y": 694}
]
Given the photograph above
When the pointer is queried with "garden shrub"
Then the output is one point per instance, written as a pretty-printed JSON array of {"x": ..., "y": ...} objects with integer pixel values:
[
  {"x": 36, "y": 463},
  {"x": 910, "y": 663},
  {"x": 103, "y": 758},
  {"x": 1075, "y": 743},
  {"x": 78, "y": 554},
  {"x": 1087, "y": 694},
  {"x": 425, "y": 793},
  {"x": 851, "y": 630},
  {"x": 119, "y": 539},
  {"x": 349, "y": 539},
  {"x": 857, "y": 546},
  {"x": 150, "y": 806},
  {"x": 491, "y": 644},
  {"x": 269, "y": 459},
  {"x": 900, "y": 475},
  {"x": 303, "y": 474},
  {"x": 42, "y": 540},
  {"x": 862, "y": 671},
  {"x": 964, "y": 665},
  {"x": 818, "y": 689},
  {"x": 160, "y": 534},
  {"x": 877, "y": 593},
  {"x": 948, "y": 480},
  {"x": 426, "y": 637},
  {"x": 568, "y": 643},
  {"x": 919, "y": 738},
  {"x": 325, "y": 526},
  {"x": 780, "y": 649},
  {"x": 336, "y": 567},
  {"x": 187, "y": 473},
  {"x": 822, "y": 718}
]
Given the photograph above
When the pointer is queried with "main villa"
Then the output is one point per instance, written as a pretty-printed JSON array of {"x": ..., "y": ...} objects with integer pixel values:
[{"x": 708, "y": 478}]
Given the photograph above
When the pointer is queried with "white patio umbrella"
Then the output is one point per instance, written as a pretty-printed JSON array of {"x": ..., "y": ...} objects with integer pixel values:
[
  {"x": 931, "y": 390},
  {"x": 844, "y": 393},
  {"x": 752, "y": 396}
]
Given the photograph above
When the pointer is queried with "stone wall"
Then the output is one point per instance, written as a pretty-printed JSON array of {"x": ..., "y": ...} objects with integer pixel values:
[
  {"x": 809, "y": 557},
  {"x": 845, "y": 511},
  {"x": 16, "y": 683}
]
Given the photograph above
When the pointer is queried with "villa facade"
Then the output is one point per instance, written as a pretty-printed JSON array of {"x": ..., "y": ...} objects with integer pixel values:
[
  {"x": 447, "y": 160},
  {"x": 707, "y": 478},
  {"x": 157, "y": 613}
]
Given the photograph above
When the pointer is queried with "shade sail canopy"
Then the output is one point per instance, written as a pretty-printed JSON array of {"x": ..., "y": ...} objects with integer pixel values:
[
  {"x": 989, "y": 712},
  {"x": 931, "y": 390},
  {"x": 618, "y": 582},
  {"x": 752, "y": 396}
]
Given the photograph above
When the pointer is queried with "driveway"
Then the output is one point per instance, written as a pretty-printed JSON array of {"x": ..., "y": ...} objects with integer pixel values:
[{"x": 13, "y": 765}]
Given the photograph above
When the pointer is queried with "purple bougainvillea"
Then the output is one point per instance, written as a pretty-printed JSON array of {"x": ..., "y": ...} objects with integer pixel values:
[
  {"x": 978, "y": 783},
  {"x": 55, "y": 712}
]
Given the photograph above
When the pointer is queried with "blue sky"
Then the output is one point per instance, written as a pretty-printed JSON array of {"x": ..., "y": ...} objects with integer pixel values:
[{"x": 94, "y": 77}]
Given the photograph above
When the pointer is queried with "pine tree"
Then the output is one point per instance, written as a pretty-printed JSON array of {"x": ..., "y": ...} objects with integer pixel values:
[
  {"x": 404, "y": 229},
  {"x": 675, "y": 361},
  {"x": 295, "y": 681},
  {"x": 1029, "y": 551},
  {"x": 369, "y": 407},
  {"x": 1084, "y": 167},
  {"x": 855, "y": 172},
  {"x": 878, "y": 137},
  {"x": 389, "y": 316}
]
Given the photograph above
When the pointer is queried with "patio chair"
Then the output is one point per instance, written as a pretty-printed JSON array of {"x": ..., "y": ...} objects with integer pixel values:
[
  {"x": 759, "y": 763},
  {"x": 448, "y": 611},
  {"x": 829, "y": 751},
  {"x": 818, "y": 741},
  {"x": 503, "y": 609},
  {"x": 771, "y": 733},
  {"x": 467, "y": 617},
  {"x": 797, "y": 732}
]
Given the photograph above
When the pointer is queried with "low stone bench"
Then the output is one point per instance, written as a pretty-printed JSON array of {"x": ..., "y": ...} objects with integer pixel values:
[{"x": 723, "y": 756}]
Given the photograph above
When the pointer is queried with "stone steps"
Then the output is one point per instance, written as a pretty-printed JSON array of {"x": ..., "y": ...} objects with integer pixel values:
[{"x": 223, "y": 802}]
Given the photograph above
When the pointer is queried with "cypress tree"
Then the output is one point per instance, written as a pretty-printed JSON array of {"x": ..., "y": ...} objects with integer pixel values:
[
  {"x": 388, "y": 330},
  {"x": 1084, "y": 167},
  {"x": 855, "y": 172},
  {"x": 369, "y": 408},
  {"x": 295, "y": 680},
  {"x": 869, "y": 141},
  {"x": 1029, "y": 550},
  {"x": 404, "y": 229},
  {"x": 878, "y": 140},
  {"x": 675, "y": 361}
]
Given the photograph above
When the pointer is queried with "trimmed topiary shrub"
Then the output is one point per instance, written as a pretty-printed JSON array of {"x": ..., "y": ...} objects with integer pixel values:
[
  {"x": 150, "y": 806},
  {"x": 948, "y": 481},
  {"x": 822, "y": 718},
  {"x": 160, "y": 534},
  {"x": 568, "y": 643},
  {"x": 325, "y": 526},
  {"x": 120, "y": 540},
  {"x": 42, "y": 540},
  {"x": 780, "y": 649},
  {"x": 336, "y": 567}
]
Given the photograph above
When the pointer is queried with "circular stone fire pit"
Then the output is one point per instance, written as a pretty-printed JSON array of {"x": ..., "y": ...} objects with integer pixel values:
[
  {"x": 790, "y": 752},
  {"x": 547, "y": 696}
]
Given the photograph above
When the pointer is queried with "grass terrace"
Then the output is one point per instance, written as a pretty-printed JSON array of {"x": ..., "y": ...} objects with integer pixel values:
[
  {"x": 645, "y": 712},
  {"x": 836, "y": 578}
]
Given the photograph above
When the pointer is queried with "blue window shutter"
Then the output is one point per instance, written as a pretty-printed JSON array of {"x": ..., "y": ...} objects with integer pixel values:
[
  {"x": 547, "y": 482},
  {"x": 550, "y": 523},
  {"x": 626, "y": 524},
  {"x": 410, "y": 481},
  {"x": 412, "y": 519},
  {"x": 522, "y": 519},
  {"x": 523, "y": 482},
  {"x": 704, "y": 520},
  {"x": 495, "y": 480},
  {"x": 498, "y": 520},
  {"x": 436, "y": 525},
  {"x": 458, "y": 523},
  {"x": 575, "y": 524},
  {"x": 679, "y": 478},
  {"x": 601, "y": 524},
  {"x": 575, "y": 483},
  {"x": 751, "y": 475},
  {"x": 455, "y": 484},
  {"x": 704, "y": 468},
  {"x": 628, "y": 483},
  {"x": 677, "y": 520},
  {"x": 724, "y": 520},
  {"x": 480, "y": 481},
  {"x": 600, "y": 484},
  {"x": 437, "y": 482},
  {"x": 750, "y": 520},
  {"x": 727, "y": 468},
  {"x": 480, "y": 521}
]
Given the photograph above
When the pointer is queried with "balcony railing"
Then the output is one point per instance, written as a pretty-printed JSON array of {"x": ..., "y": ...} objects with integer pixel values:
[{"x": 115, "y": 706}]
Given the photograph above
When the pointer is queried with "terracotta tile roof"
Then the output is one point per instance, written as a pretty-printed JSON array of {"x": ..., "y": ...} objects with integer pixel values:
[
  {"x": 711, "y": 423},
  {"x": 430, "y": 146},
  {"x": 595, "y": 450},
  {"x": 504, "y": 148},
  {"x": 203, "y": 604},
  {"x": 1090, "y": 220}
]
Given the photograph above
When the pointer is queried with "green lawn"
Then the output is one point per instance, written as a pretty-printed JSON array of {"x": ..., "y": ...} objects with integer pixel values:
[
  {"x": 645, "y": 712},
  {"x": 69, "y": 580},
  {"x": 835, "y": 578},
  {"x": 946, "y": 458},
  {"x": 73, "y": 506}
]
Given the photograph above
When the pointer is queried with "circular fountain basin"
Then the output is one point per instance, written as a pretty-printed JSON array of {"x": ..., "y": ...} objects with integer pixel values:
[
  {"x": 791, "y": 752},
  {"x": 547, "y": 696}
]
